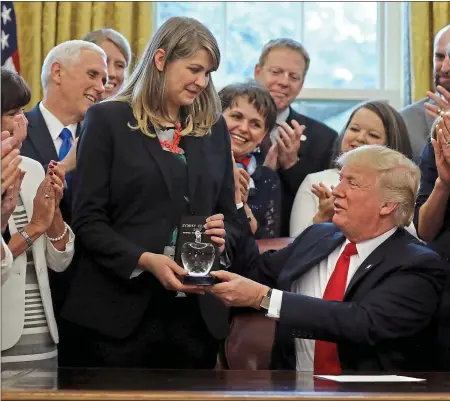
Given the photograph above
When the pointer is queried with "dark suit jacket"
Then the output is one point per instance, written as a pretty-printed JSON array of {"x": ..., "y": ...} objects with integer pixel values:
[
  {"x": 314, "y": 155},
  {"x": 39, "y": 146},
  {"x": 126, "y": 206},
  {"x": 384, "y": 322},
  {"x": 441, "y": 245}
]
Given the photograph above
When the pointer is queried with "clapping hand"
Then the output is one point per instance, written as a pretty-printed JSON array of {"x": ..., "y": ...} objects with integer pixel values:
[
  {"x": 10, "y": 198},
  {"x": 44, "y": 206},
  {"x": 10, "y": 160},
  {"x": 326, "y": 203},
  {"x": 442, "y": 103},
  {"x": 56, "y": 176},
  {"x": 441, "y": 146},
  {"x": 289, "y": 142}
]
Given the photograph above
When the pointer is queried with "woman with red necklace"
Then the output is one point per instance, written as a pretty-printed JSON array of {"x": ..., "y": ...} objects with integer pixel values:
[
  {"x": 156, "y": 152},
  {"x": 250, "y": 113}
]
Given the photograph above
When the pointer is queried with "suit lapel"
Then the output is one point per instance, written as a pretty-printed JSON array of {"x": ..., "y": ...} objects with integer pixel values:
[
  {"x": 40, "y": 137},
  {"x": 79, "y": 126},
  {"x": 367, "y": 266},
  {"x": 388, "y": 247},
  {"x": 156, "y": 152},
  {"x": 195, "y": 156},
  {"x": 310, "y": 258}
]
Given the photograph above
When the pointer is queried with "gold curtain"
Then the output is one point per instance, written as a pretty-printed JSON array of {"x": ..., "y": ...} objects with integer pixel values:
[
  {"x": 42, "y": 25},
  {"x": 426, "y": 19}
]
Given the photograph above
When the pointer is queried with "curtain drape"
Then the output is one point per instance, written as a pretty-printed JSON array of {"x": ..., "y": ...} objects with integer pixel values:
[
  {"x": 426, "y": 19},
  {"x": 42, "y": 25}
]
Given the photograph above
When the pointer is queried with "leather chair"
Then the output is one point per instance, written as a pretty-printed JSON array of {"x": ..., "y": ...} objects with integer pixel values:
[{"x": 249, "y": 343}]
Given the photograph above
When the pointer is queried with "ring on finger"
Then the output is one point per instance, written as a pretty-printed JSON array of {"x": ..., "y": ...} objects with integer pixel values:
[
  {"x": 46, "y": 196},
  {"x": 447, "y": 143},
  {"x": 441, "y": 111}
]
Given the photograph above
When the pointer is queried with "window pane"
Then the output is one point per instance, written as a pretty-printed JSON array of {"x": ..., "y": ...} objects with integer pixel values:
[
  {"x": 341, "y": 38},
  {"x": 249, "y": 27},
  {"x": 333, "y": 113},
  {"x": 208, "y": 13}
]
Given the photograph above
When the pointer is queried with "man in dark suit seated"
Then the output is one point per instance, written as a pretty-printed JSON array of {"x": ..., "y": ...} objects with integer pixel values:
[
  {"x": 355, "y": 295},
  {"x": 73, "y": 75},
  {"x": 304, "y": 145}
]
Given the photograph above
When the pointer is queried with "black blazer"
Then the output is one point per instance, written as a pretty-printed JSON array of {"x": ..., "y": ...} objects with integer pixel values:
[
  {"x": 38, "y": 145},
  {"x": 126, "y": 207},
  {"x": 314, "y": 155},
  {"x": 385, "y": 321}
]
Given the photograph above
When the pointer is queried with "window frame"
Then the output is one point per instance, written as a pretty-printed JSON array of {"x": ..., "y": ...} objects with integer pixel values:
[{"x": 391, "y": 71}]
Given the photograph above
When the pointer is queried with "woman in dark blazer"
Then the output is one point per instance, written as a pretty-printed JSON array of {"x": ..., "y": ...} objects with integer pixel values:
[
  {"x": 250, "y": 114},
  {"x": 432, "y": 218},
  {"x": 156, "y": 152}
]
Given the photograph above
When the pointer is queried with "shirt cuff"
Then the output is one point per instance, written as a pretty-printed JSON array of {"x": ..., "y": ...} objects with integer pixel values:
[
  {"x": 239, "y": 205},
  {"x": 225, "y": 259},
  {"x": 69, "y": 245},
  {"x": 275, "y": 304},
  {"x": 136, "y": 272}
]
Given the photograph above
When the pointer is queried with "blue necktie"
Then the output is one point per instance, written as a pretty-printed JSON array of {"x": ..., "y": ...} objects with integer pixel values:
[{"x": 66, "y": 137}]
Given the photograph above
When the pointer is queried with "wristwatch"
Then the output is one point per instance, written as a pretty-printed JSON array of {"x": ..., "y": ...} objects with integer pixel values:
[{"x": 265, "y": 302}]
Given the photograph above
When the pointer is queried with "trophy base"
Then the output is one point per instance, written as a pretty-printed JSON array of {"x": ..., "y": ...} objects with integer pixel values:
[{"x": 198, "y": 280}]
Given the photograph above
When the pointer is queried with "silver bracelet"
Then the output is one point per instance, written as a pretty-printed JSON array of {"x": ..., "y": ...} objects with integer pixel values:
[
  {"x": 61, "y": 236},
  {"x": 26, "y": 237}
]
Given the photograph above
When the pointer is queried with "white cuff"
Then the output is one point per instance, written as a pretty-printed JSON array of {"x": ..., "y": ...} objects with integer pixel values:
[
  {"x": 275, "y": 304},
  {"x": 239, "y": 205}
]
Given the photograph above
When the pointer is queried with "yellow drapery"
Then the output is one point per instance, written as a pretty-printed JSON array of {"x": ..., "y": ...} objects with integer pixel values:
[
  {"x": 42, "y": 25},
  {"x": 426, "y": 19}
]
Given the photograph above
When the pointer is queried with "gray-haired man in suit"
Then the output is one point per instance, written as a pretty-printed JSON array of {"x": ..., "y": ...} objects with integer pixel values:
[{"x": 417, "y": 120}]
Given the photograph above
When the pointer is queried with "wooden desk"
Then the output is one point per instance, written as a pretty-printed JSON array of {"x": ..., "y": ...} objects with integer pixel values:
[{"x": 174, "y": 385}]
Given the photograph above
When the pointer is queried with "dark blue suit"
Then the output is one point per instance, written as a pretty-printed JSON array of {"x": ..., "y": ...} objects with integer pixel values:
[
  {"x": 384, "y": 322},
  {"x": 441, "y": 245},
  {"x": 39, "y": 146}
]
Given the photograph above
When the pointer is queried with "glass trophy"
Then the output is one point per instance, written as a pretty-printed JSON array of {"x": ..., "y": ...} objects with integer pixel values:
[{"x": 197, "y": 258}]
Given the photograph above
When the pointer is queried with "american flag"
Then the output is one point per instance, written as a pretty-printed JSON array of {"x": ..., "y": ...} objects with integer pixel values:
[{"x": 10, "y": 51}]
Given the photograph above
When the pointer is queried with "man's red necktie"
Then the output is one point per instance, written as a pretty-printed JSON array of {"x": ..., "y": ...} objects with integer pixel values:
[{"x": 326, "y": 359}]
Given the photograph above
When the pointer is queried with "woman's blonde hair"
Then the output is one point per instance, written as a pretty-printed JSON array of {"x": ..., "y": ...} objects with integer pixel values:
[{"x": 146, "y": 91}]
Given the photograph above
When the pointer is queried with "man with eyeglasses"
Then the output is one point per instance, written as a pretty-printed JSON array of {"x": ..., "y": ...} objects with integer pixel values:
[{"x": 298, "y": 145}]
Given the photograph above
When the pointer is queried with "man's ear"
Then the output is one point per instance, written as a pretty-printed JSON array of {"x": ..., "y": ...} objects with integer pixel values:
[
  {"x": 388, "y": 208},
  {"x": 160, "y": 59},
  {"x": 55, "y": 73},
  {"x": 257, "y": 71}
]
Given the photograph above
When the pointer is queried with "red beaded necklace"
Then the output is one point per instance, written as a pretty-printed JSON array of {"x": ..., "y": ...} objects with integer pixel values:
[{"x": 173, "y": 145}]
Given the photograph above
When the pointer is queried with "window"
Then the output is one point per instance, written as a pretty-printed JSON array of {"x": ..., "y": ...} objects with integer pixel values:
[{"x": 355, "y": 47}]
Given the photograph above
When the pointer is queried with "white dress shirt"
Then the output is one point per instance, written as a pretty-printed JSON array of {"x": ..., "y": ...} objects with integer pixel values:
[
  {"x": 281, "y": 118},
  {"x": 313, "y": 284},
  {"x": 55, "y": 127}
]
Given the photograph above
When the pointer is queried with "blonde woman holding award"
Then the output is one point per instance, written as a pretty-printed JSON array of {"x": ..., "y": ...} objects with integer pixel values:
[{"x": 156, "y": 153}]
